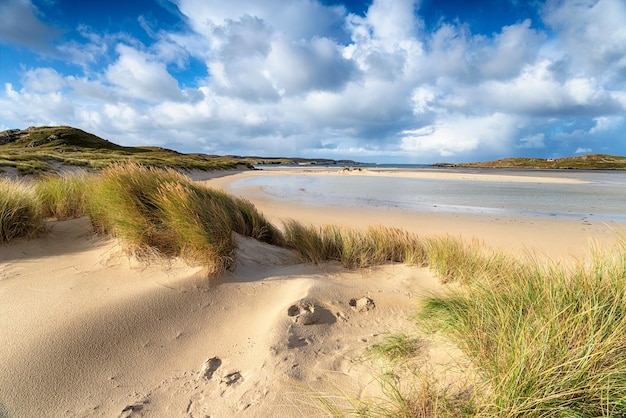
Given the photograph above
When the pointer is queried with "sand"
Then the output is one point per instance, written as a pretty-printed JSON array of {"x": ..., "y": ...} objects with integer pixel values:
[{"x": 88, "y": 331}]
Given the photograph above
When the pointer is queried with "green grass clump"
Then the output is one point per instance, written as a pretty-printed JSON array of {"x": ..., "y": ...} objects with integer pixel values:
[
  {"x": 20, "y": 211},
  {"x": 163, "y": 211},
  {"x": 398, "y": 346},
  {"x": 452, "y": 259},
  {"x": 63, "y": 197},
  {"x": 354, "y": 248},
  {"x": 549, "y": 340}
]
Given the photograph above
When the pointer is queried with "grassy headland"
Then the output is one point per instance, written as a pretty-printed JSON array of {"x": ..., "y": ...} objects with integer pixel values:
[
  {"x": 40, "y": 150},
  {"x": 580, "y": 162}
]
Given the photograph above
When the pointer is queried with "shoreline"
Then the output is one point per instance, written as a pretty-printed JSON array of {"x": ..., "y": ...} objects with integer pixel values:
[
  {"x": 521, "y": 176},
  {"x": 554, "y": 238}
]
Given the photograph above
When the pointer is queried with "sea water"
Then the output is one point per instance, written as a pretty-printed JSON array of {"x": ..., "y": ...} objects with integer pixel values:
[{"x": 601, "y": 195}]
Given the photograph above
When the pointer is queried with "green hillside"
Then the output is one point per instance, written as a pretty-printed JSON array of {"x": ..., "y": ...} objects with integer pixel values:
[
  {"x": 43, "y": 150},
  {"x": 581, "y": 162}
]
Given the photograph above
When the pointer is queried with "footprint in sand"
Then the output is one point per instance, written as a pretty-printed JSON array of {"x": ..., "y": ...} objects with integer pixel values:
[
  {"x": 303, "y": 313},
  {"x": 231, "y": 378},
  {"x": 363, "y": 304},
  {"x": 130, "y": 410},
  {"x": 209, "y": 367}
]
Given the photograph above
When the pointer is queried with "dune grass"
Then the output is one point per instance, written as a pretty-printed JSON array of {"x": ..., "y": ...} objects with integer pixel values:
[
  {"x": 410, "y": 387},
  {"x": 453, "y": 259},
  {"x": 397, "y": 346},
  {"x": 20, "y": 211},
  {"x": 354, "y": 248},
  {"x": 153, "y": 211},
  {"x": 62, "y": 197},
  {"x": 548, "y": 339},
  {"x": 416, "y": 395},
  {"x": 163, "y": 211}
]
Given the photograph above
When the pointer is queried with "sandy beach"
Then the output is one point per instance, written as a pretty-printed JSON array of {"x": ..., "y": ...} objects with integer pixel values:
[
  {"x": 88, "y": 331},
  {"x": 554, "y": 238}
]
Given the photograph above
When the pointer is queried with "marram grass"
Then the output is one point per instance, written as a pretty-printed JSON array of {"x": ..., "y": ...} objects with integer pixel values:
[
  {"x": 354, "y": 248},
  {"x": 162, "y": 211},
  {"x": 549, "y": 340},
  {"x": 20, "y": 211},
  {"x": 63, "y": 197}
]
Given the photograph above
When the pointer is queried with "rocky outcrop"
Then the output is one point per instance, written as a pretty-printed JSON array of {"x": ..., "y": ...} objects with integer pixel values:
[{"x": 10, "y": 135}]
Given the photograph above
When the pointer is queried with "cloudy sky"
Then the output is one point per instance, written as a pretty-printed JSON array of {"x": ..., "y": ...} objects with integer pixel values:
[{"x": 406, "y": 81}]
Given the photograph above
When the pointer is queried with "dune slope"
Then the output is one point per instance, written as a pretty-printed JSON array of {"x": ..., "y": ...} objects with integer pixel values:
[{"x": 86, "y": 331}]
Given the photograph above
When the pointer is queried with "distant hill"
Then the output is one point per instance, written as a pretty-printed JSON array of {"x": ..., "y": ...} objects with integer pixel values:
[
  {"x": 580, "y": 162},
  {"x": 47, "y": 149},
  {"x": 52, "y": 138}
]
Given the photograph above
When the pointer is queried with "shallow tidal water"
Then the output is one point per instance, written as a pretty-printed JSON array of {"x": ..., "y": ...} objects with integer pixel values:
[{"x": 602, "y": 196}]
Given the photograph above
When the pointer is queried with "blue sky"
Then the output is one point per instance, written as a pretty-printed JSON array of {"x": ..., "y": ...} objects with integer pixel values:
[{"x": 382, "y": 81}]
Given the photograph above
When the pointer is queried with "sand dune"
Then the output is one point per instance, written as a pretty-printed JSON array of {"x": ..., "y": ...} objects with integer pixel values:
[{"x": 89, "y": 332}]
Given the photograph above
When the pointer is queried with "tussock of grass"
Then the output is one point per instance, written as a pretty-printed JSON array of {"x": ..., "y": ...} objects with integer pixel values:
[
  {"x": 20, "y": 211},
  {"x": 398, "y": 347},
  {"x": 550, "y": 340},
  {"x": 123, "y": 202},
  {"x": 377, "y": 245},
  {"x": 161, "y": 210},
  {"x": 63, "y": 197},
  {"x": 452, "y": 259}
]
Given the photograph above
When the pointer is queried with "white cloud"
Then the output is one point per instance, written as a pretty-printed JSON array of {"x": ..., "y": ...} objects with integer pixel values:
[
  {"x": 509, "y": 51},
  {"x": 139, "y": 76},
  {"x": 316, "y": 65},
  {"x": 606, "y": 124},
  {"x": 52, "y": 107},
  {"x": 302, "y": 77},
  {"x": 43, "y": 80},
  {"x": 454, "y": 135},
  {"x": 296, "y": 19},
  {"x": 390, "y": 20},
  {"x": 592, "y": 33},
  {"x": 533, "y": 142},
  {"x": 581, "y": 150},
  {"x": 423, "y": 99}
]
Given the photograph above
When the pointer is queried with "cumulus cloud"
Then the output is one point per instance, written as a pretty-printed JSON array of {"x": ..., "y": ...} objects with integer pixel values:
[
  {"x": 591, "y": 33},
  {"x": 140, "y": 76},
  {"x": 43, "y": 80},
  {"x": 606, "y": 124},
  {"x": 297, "y": 19},
  {"x": 305, "y": 78},
  {"x": 457, "y": 134}
]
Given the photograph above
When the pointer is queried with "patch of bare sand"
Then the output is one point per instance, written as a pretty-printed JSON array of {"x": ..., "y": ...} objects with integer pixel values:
[{"x": 88, "y": 332}]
